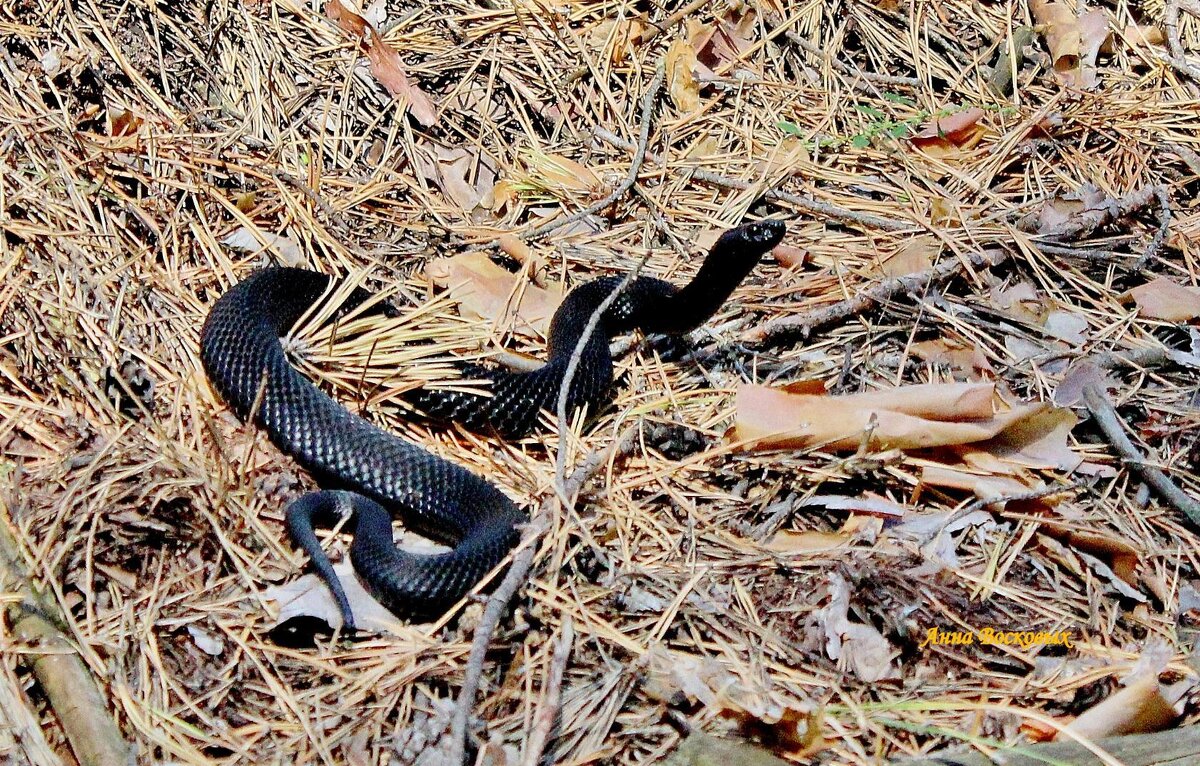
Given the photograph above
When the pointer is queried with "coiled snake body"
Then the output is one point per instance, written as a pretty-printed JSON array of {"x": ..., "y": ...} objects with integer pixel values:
[{"x": 379, "y": 473}]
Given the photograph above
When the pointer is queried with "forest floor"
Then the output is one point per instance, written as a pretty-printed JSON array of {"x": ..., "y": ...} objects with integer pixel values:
[{"x": 991, "y": 273}]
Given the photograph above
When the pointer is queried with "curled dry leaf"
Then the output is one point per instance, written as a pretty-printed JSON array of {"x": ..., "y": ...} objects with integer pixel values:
[
  {"x": 726, "y": 39},
  {"x": 965, "y": 362},
  {"x": 561, "y": 176},
  {"x": 388, "y": 68},
  {"x": 682, "y": 86},
  {"x": 462, "y": 175},
  {"x": 789, "y": 256},
  {"x": 308, "y": 596},
  {"x": 1138, "y": 708},
  {"x": 943, "y": 136},
  {"x": 1074, "y": 40},
  {"x": 1164, "y": 299},
  {"x": 485, "y": 290},
  {"x": 859, "y": 646},
  {"x": 384, "y": 60},
  {"x": 251, "y": 240},
  {"x": 908, "y": 417}
]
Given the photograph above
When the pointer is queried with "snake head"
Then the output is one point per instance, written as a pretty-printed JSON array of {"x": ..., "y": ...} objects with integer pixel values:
[
  {"x": 738, "y": 250},
  {"x": 764, "y": 234},
  {"x": 748, "y": 242}
]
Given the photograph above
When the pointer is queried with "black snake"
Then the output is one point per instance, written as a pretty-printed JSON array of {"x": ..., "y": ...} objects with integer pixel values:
[{"x": 376, "y": 473}]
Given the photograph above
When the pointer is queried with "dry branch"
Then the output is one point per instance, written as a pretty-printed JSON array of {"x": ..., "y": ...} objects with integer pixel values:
[
  {"x": 784, "y": 329},
  {"x": 81, "y": 708},
  {"x": 1110, "y": 423}
]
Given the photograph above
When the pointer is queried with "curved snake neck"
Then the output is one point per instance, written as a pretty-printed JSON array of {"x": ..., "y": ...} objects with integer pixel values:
[{"x": 379, "y": 473}]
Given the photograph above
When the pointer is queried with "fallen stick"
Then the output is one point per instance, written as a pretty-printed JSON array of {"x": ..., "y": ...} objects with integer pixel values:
[
  {"x": 547, "y": 712},
  {"x": 1110, "y": 423},
  {"x": 802, "y": 326},
  {"x": 54, "y": 659}
]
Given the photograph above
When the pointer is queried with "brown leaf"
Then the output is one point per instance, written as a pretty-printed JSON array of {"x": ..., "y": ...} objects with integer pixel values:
[
  {"x": 907, "y": 417},
  {"x": 385, "y": 62},
  {"x": 450, "y": 169},
  {"x": 485, "y": 290},
  {"x": 790, "y": 256},
  {"x": 388, "y": 68},
  {"x": 1138, "y": 708},
  {"x": 942, "y": 136},
  {"x": 1166, "y": 300},
  {"x": 1074, "y": 40},
  {"x": 681, "y": 76},
  {"x": 786, "y": 541},
  {"x": 913, "y": 255},
  {"x": 346, "y": 19}
]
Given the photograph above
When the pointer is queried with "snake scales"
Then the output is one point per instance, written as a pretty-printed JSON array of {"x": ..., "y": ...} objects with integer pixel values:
[{"x": 375, "y": 473}]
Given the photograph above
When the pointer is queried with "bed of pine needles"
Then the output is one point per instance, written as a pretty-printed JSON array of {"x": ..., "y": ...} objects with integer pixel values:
[{"x": 153, "y": 153}]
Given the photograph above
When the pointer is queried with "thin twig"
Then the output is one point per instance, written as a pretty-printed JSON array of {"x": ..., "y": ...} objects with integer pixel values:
[
  {"x": 1178, "y": 59},
  {"x": 565, "y": 489},
  {"x": 635, "y": 167},
  {"x": 560, "y": 460},
  {"x": 802, "y": 326},
  {"x": 547, "y": 713},
  {"x": 497, "y": 602},
  {"x": 1110, "y": 423},
  {"x": 1160, "y": 236},
  {"x": 1083, "y": 224}
]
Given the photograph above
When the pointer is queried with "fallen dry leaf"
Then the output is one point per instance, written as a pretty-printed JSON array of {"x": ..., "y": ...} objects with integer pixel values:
[
  {"x": 1164, "y": 299},
  {"x": 726, "y": 39},
  {"x": 682, "y": 86},
  {"x": 388, "y": 68},
  {"x": 462, "y": 175},
  {"x": 1066, "y": 326},
  {"x": 308, "y": 596},
  {"x": 1138, "y": 708},
  {"x": 859, "y": 646},
  {"x": 908, "y": 417},
  {"x": 252, "y": 240},
  {"x": 790, "y": 256},
  {"x": 966, "y": 362},
  {"x": 385, "y": 62},
  {"x": 678, "y": 677},
  {"x": 1081, "y": 373},
  {"x": 561, "y": 177},
  {"x": 1074, "y": 40},
  {"x": 787, "y": 541},
  {"x": 943, "y": 136},
  {"x": 982, "y": 484},
  {"x": 913, "y": 255},
  {"x": 485, "y": 290}
]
